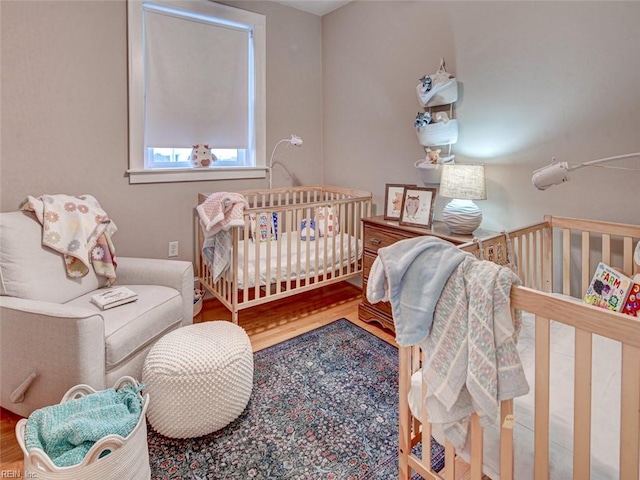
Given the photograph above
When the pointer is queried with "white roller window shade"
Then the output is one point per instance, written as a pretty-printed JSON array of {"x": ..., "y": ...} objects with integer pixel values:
[{"x": 180, "y": 108}]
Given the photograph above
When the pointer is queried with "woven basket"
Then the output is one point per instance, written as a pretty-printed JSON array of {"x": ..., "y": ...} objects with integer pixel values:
[
  {"x": 439, "y": 133},
  {"x": 129, "y": 457}
]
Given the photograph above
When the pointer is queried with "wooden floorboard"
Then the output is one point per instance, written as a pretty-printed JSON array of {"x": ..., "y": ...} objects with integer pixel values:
[{"x": 266, "y": 325}]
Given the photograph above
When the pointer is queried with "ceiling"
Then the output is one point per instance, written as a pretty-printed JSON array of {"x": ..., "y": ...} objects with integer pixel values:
[{"x": 317, "y": 7}]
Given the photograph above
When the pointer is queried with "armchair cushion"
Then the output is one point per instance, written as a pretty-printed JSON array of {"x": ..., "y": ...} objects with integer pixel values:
[
  {"x": 132, "y": 327},
  {"x": 29, "y": 270}
]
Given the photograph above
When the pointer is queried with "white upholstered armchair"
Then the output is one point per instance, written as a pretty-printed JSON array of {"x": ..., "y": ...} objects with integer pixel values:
[{"x": 52, "y": 337}]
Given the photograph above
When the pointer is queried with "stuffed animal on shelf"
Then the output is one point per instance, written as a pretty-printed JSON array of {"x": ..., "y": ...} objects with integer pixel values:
[
  {"x": 433, "y": 156},
  {"x": 201, "y": 156}
]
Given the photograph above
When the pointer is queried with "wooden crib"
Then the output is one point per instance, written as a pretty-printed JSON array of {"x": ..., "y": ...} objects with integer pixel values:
[
  {"x": 558, "y": 255},
  {"x": 288, "y": 260}
]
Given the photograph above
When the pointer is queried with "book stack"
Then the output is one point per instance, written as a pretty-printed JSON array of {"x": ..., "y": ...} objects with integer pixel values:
[
  {"x": 614, "y": 291},
  {"x": 114, "y": 297}
]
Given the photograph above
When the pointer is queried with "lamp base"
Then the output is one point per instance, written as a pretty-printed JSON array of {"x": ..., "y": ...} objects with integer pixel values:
[{"x": 462, "y": 216}]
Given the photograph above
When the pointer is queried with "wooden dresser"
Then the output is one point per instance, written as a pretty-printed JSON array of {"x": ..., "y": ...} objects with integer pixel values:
[{"x": 379, "y": 233}]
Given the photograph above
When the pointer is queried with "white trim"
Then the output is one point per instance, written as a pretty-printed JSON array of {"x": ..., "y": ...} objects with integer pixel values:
[
  {"x": 136, "y": 84},
  {"x": 194, "y": 174},
  {"x": 137, "y": 173}
]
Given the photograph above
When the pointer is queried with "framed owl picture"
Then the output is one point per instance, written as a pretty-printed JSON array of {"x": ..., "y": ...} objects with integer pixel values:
[
  {"x": 417, "y": 206},
  {"x": 393, "y": 200}
]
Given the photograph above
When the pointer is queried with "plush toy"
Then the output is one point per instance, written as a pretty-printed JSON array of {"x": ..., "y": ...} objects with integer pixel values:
[
  {"x": 308, "y": 229},
  {"x": 327, "y": 224},
  {"x": 433, "y": 156},
  {"x": 201, "y": 156}
]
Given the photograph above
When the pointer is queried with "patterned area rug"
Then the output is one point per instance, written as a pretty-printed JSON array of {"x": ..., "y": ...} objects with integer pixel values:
[{"x": 324, "y": 406}]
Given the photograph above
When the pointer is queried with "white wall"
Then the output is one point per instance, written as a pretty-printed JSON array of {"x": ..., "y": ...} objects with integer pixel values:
[
  {"x": 538, "y": 79},
  {"x": 64, "y": 114}
]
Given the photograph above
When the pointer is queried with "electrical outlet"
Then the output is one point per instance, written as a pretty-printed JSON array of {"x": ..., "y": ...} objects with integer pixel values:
[{"x": 173, "y": 249}]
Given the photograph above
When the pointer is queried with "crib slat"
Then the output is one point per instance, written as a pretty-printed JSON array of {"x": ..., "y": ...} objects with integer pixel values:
[
  {"x": 279, "y": 252},
  {"x": 270, "y": 232},
  {"x": 582, "y": 405},
  {"x": 629, "y": 414},
  {"x": 449, "y": 461},
  {"x": 586, "y": 271},
  {"x": 404, "y": 435},
  {"x": 606, "y": 248},
  {"x": 476, "y": 448},
  {"x": 426, "y": 428},
  {"x": 234, "y": 262},
  {"x": 566, "y": 261},
  {"x": 506, "y": 439},
  {"x": 534, "y": 269},
  {"x": 290, "y": 219},
  {"x": 245, "y": 267},
  {"x": 547, "y": 258},
  {"x": 627, "y": 260},
  {"x": 256, "y": 276},
  {"x": 352, "y": 215},
  {"x": 541, "y": 416}
]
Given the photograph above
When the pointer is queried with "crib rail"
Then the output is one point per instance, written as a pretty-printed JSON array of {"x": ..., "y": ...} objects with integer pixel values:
[
  {"x": 576, "y": 246},
  {"x": 265, "y": 270},
  {"x": 581, "y": 244},
  {"x": 587, "y": 320}
]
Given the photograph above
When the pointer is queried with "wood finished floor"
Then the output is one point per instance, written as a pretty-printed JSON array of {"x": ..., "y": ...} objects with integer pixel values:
[{"x": 266, "y": 325}]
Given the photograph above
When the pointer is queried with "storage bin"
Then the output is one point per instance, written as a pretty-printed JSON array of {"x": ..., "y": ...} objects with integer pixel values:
[
  {"x": 439, "y": 95},
  {"x": 430, "y": 172},
  {"x": 128, "y": 457},
  {"x": 441, "y": 133}
]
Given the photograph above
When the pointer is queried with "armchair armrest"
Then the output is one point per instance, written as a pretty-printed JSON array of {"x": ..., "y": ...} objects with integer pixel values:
[
  {"x": 54, "y": 345},
  {"x": 176, "y": 274}
]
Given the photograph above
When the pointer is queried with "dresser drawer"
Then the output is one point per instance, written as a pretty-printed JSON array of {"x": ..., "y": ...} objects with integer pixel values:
[
  {"x": 368, "y": 260},
  {"x": 383, "y": 307},
  {"x": 375, "y": 238}
]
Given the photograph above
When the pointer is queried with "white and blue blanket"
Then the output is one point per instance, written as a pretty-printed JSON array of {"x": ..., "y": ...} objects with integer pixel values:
[{"x": 457, "y": 308}]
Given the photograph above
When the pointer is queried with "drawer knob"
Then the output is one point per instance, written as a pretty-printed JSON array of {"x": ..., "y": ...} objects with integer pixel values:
[{"x": 376, "y": 241}]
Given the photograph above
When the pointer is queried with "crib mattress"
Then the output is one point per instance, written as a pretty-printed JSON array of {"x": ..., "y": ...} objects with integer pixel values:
[
  {"x": 605, "y": 441},
  {"x": 319, "y": 252}
]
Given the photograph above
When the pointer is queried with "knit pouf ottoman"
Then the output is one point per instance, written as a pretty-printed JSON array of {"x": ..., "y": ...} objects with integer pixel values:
[{"x": 199, "y": 379}]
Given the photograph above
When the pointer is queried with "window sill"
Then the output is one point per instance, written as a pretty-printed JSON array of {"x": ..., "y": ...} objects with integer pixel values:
[{"x": 194, "y": 174}]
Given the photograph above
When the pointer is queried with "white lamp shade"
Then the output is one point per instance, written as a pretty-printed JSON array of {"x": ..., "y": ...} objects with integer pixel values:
[{"x": 464, "y": 182}]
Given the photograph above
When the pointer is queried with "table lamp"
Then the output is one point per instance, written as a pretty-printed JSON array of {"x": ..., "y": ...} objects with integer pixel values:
[{"x": 464, "y": 184}]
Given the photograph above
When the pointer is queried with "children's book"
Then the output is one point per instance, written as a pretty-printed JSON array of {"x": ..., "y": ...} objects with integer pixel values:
[
  {"x": 632, "y": 305},
  {"x": 608, "y": 289},
  {"x": 114, "y": 297}
]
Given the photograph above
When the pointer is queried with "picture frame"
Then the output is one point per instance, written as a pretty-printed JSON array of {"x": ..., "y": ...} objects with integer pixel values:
[
  {"x": 417, "y": 206},
  {"x": 393, "y": 200}
]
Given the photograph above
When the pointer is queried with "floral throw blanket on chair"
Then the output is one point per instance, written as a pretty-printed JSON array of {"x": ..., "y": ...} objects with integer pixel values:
[{"x": 79, "y": 229}]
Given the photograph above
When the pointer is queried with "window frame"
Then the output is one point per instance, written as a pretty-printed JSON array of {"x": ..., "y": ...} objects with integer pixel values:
[{"x": 137, "y": 171}]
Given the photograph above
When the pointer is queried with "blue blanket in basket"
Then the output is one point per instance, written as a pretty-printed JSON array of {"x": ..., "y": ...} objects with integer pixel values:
[{"x": 66, "y": 432}]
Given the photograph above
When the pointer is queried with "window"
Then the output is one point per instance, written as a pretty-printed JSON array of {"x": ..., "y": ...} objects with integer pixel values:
[{"x": 196, "y": 76}]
